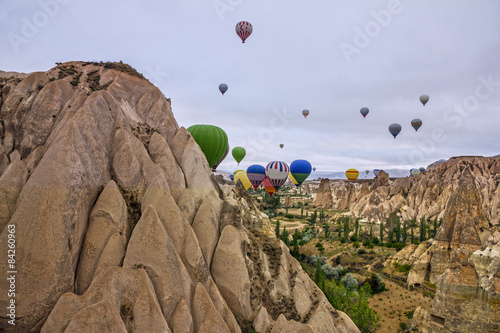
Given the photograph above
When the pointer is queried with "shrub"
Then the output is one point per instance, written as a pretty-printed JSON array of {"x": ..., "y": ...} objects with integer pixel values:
[
  {"x": 376, "y": 283},
  {"x": 404, "y": 268},
  {"x": 356, "y": 244},
  {"x": 361, "y": 251},
  {"x": 375, "y": 240},
  {"x": 330, "y": 272},
  {"x": 342, "y": 240},
  {"x": 289, "y": 216},
  {"x": 367, "y": 243},
  {"x": 353, "y": 238},
  {"x": 350, "y": 281}
]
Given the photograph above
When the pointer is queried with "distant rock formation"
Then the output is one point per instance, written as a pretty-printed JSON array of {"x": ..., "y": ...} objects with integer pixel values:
[
  {"x": 425, "y": 195},
  {"x": 464, "y": 266},
  {"x": 120, "y": 224}
]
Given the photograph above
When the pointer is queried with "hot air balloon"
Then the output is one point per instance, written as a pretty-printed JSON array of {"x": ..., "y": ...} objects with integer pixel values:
[
  {"x": 424, "y": 99},
  {"x": 367, "y": 171},
  {"x": 394, "y": 129},
  {"x": 422, "y": 169},
  {"x": 305, "y": 113},
  {"x": 237, "y": 171},
  {"x": 212, "y": 141},
  {"x": 223, "y": 88},
  {"x": 277, "y": 172},
  {"x": 294, "y": 181},
  {"x": 376, "y": 172},
  {"x": 314, "y": 169},
  {"x": 415, "y": 172},
  {"x": 243, "y": 30},
  {"x": 268, "y": 186},
  {"x": 364, "y": 111},
  {"x": 256, "y": 173},
  {"x": 300, "y": 170},
  {"x": 352, "y": 174},
  {"x": 416, "y": 123},
  {"x": 281, "y": 145},
  {"x": 231, "y": 177},
  {"x": 239, "y": 153},
  {"x": 221, "y": 159},
  {"x": 242, "y": 176}
]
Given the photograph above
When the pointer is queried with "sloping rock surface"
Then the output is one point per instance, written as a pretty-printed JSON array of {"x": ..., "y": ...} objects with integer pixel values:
[{"x": 120, "y": 225}]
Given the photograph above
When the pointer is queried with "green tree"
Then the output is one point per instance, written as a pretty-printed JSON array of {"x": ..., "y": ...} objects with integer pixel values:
[
  {"x": 423, "y": 229},
  {"x": 397, "y": 230},
  {"x": 371, "y": 232},
  {"x": 284, "y": 236},
  {"x": 339, "y": 228},
  {"x": 435, "y": 222},
  {"x": 405, "y": 232},
  {"x": 319, "y": 275},
  {"x": 381, "y": 232},
  {"x": 346, "y": 228},
  {"x": 301, "y": 212},
  {"x": 295, "y": 243},
  {"x": 277, "y": 229},
  {"x": 356, "y": 226},
  {"x": 313, "y": 218},
  {"x": 326, "y": 228},
  {"x": 391, "y": 235},
  {"x": 412, "y": 224}
]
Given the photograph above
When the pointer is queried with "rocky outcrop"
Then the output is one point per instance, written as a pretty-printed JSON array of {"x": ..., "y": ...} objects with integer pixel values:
[
  {"x": 324, "y": 197},
  {"x": 121, "y": 226},
  {"x": 412, "y": 198},
  {"x": 467, "y": 275}
]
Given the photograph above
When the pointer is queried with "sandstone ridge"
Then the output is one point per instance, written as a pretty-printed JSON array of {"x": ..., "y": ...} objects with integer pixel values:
[{"x": 120, "y": 224}]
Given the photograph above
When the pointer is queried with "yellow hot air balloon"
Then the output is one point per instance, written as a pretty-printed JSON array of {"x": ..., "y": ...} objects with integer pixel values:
[
  {"x": 242, "y": 175},
  {"x": 352, "y": 174}
]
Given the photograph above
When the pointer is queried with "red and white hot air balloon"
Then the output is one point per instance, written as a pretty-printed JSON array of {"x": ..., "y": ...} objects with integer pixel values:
[
  {"x": 277, "y": 172},
  {"x": 243, "y": 30}
]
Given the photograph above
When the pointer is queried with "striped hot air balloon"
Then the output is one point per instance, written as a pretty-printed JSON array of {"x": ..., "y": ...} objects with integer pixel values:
[
  {"x": 352, "y": 174},
  {"x": 415, "y": 172},
  {"x": 277, "y": 172},
  {"x": 268, "y": 186},
  {"x": 376, "y": 172},
  {"x": 256, "y": 173},
  {"x": 416, "y": 123}
]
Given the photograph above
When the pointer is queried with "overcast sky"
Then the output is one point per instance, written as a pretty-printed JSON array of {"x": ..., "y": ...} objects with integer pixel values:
[{"x": 331, "y": 57}]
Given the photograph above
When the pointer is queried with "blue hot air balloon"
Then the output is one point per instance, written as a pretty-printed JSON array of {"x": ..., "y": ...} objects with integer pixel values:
[
  {"x": 231, "y": 177},
  {"x": 300, "y": 170},
  {"x": 256, "y": 173}
]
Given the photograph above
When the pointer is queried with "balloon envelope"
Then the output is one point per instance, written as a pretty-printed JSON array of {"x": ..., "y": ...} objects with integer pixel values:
[
  {"x": 239, "y": 153},
  {"x": 243, "y": 30},
  {"x": 364, "y": 111},
  {"x": 394, "y": 129},
  {"x": 422, "y": 169},
  {"x": 277, "y": 172},
  {"x": 223, "y": 88},
  {"x": 424, "y": 99},
  {"x": 256, "y": 173},
  {"x": 300, "y": 170},
  {"x": 231, "y": 177},
  {"x": 294, "y": 181},
  {"x": 415, "y": 172},
  {"x": 281, "y": 145},
  {"x": 268, "y": 186},
  {"x": 376, "y": 172},
  {"x": 416, "y": 123},
  {"x": 367, "y": 171},
  {"x": 305, "y": 113},
  {"x": 314, "y": 169},
  {"x": 221, "y": 159},
  {"x": 352, "y": 174},
  {"x": 242, "y": 176},
  {"x": 212, "y": 141}
]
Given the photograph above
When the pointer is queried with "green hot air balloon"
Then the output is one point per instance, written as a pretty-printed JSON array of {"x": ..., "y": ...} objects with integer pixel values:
[
  {"x": 239, "y": 153},
  {"x": 212, "y": 141}
]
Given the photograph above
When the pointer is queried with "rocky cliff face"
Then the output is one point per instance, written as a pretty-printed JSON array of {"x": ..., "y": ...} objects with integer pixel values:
[
  {"x": 120, "y": 224},
  {"x": 425, "y": 195},
  {"x": 464, "y": 262}
]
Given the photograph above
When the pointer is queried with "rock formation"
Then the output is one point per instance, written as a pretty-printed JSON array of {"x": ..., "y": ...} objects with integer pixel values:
[
  {"x": 465, "y": 268},
  {"x": 425, "y": 195},
  {"x": 120, "y": 224}
]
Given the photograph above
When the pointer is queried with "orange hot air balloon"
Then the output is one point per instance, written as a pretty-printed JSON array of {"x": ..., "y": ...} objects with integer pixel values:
[
  {"x": 268, "y": 186},
  {"x": 352, "y": 174}
]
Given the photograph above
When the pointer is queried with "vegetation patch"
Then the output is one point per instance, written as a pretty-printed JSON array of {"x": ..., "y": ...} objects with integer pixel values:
[
  {"x": 143, "y": 132},
  {"x": 133, "y": 206},
  {"x": 93, "y": 79},
  {"x": 118, "y": 66}
]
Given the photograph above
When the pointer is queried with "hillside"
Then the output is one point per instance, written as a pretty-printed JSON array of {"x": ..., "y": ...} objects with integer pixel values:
[{"x": 119, "y": 224}]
